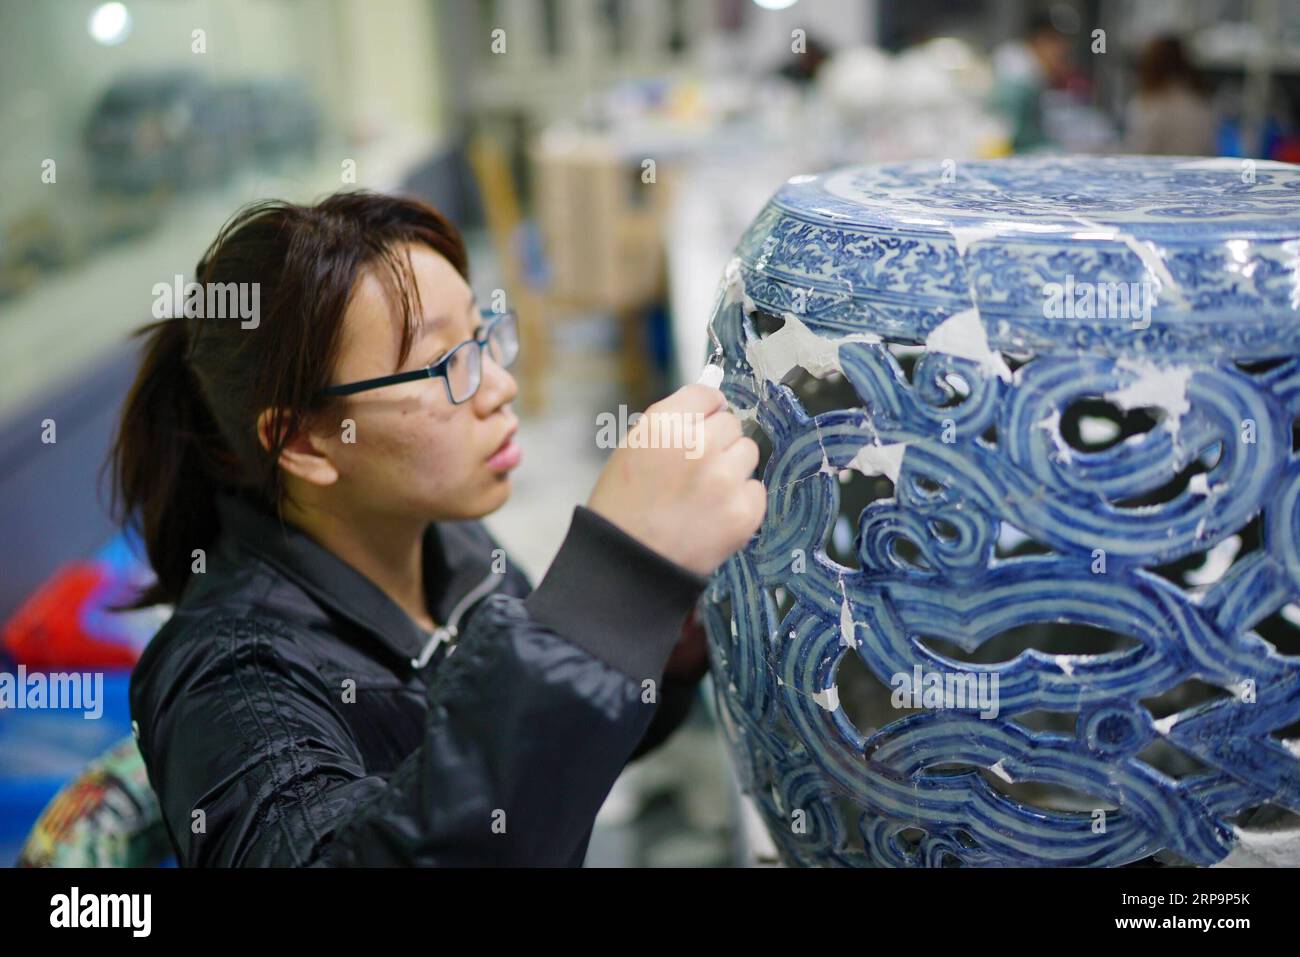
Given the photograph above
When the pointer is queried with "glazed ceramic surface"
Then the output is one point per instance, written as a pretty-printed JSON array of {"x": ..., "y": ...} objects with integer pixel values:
[{"x": 1023, "y": 594}]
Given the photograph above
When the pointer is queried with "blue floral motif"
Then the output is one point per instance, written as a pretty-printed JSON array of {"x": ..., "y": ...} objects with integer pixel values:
[
  {"x": 880, "y": 245},
  {"x": 841, "y": 253}
]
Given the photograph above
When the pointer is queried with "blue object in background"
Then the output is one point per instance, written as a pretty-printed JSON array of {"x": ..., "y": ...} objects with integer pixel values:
[
  {"x": 1228, "y": 138},
  {"x": 660, "y": 338}
]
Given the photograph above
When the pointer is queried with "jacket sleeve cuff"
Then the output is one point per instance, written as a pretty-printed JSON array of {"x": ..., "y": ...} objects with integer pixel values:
[{"x": 614, "y": 597}]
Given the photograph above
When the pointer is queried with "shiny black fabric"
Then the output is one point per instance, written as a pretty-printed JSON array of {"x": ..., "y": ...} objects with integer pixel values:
[{"x": 289, "y": 713}]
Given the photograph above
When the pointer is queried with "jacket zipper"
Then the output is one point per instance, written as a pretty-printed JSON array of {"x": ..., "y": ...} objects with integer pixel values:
[{"x": 449, "y": 631}]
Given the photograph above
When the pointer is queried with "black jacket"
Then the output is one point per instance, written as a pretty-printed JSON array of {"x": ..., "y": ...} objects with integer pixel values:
[{"x": 291, "y": 714}]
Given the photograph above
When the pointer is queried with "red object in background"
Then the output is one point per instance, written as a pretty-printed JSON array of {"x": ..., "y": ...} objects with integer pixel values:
[
  {"x": 689, "y": 661},
  {"x": 48, "y": 631},
  {"x": 1287, "y": 151}
]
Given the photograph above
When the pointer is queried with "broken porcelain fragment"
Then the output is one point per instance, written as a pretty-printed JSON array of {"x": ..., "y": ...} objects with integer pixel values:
[{"x": 1030, "y": 431}]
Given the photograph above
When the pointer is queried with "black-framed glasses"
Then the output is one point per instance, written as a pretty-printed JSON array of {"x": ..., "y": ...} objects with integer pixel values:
[{"x": 461, "y": 369}]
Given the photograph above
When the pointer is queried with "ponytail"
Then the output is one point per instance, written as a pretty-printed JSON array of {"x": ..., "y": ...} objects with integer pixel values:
[{"x": 162, "y": 462}]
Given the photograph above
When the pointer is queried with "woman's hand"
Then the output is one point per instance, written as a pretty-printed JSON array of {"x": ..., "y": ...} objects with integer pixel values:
[{"x": 681, "y": 483}]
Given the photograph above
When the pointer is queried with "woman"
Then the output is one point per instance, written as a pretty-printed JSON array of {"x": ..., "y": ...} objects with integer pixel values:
[
  {"x": 355, "y": 673},
  {"x": 1169, "y": 115}
]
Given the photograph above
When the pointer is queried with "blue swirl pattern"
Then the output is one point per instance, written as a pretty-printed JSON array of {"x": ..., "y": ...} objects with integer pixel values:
[
  {"x": 885, "y": 243},
  {"x": 917, "y": 790}
]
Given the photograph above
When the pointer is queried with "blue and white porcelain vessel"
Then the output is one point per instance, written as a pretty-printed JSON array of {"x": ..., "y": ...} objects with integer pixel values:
[{"x": 1028, "y": 585}]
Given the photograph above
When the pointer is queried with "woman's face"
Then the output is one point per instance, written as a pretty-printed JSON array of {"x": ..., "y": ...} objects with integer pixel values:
[{"x": 412, "y": 453}]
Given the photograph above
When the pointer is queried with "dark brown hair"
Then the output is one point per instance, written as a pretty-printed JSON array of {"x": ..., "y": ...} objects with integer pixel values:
[
  {"x": 1163, "y": 64},
  {"x": 188, "y": 428}
]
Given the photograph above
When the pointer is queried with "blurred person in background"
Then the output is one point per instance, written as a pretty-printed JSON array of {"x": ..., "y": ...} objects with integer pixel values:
[
  {"x": 802, "y": 68},
  {"x": 1023, "y": 69},
  {"x": 1170, "y": 114}
]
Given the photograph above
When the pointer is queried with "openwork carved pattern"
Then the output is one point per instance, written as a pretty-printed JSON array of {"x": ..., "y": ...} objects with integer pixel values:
[{"x": 1164, "y": 736}]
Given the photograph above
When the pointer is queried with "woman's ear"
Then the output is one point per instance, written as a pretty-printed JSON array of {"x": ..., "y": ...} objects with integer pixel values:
[{"x": 306, "y": 454}]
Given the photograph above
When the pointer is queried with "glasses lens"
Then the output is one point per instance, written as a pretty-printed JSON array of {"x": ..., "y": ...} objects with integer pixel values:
[
  {"x": 504, "y": 339},
  {"x": 464, "y": 367}
]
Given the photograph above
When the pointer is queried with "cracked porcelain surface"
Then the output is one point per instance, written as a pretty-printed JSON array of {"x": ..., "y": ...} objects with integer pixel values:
[{"x": 1086, "y": 518}]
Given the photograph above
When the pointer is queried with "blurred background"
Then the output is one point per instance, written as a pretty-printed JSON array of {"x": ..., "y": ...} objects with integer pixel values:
[{"x": 602, "y": 158}]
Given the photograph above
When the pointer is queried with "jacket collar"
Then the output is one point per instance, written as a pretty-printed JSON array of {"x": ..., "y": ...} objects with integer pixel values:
[{"x": 452, "y": 568}]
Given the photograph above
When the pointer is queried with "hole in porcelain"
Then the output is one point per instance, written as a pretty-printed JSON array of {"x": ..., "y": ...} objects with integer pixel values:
[
  {"x": 1267, "y": 817},
  {"x": 1045, "y": 795},
  {"x": 910, "y": 838},
  {"x": 867, "y": 705},
  {"x": 717, "y": 612},
  {"x": 1169, "y": 760},
  {"x": 779, "y": 726},
  {"x": 958, "y": 390},
  {"x": 928, "y": 485},
  {"x": 1047, "y": 638},
  {"x": 947, "y": 769},
  {"x": 1199, "y": 571},
  {"x": 964, "y": 839},
  {"x": 853, "y": 819},
  {"x": 1189, "y": 694},
  {"x": 782, "y": 728},
  {"x": 817, "y": 396},
  {"x": 1092, "y": 424},
  {"x": 990, "y": 435},
  {"x": 1050, "y": 722},
  {"x": 849, "y": 814},
  {"x": 1175, "y": 486},
  {"x": 856, "y": 491},
  {"x": 765, "y": 323},
  {"x": 1089, "y": 425},
  {"x": 764, "y": 443},
  {"x": 783, "y": 601},
  {"x": 1282, "y": 630},
  {"x": 1015, "y": 360},
  {"x": 1014, "y": 543},
  {"x": 1295, "y": 435},
  {"x": 1260, "y": 366},
  {"x": 1211, "y": 457},
  {"x": 1289, "y": 733},
  {"x": 863, "y": 699},
  {"x": 943, "y": 529},
  {"x": 909, "y": 841},
  {"x": 905, "y": 553},
  {"x": 906, "y": 355},
  {"x": 1040, "y": 794},
  {"x": 841, "y": 543}
]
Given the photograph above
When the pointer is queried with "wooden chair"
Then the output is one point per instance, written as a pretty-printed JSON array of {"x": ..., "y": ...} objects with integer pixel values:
[
  {"x": 509, "y": 230},
  {"x": 588, "y": 251}
]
